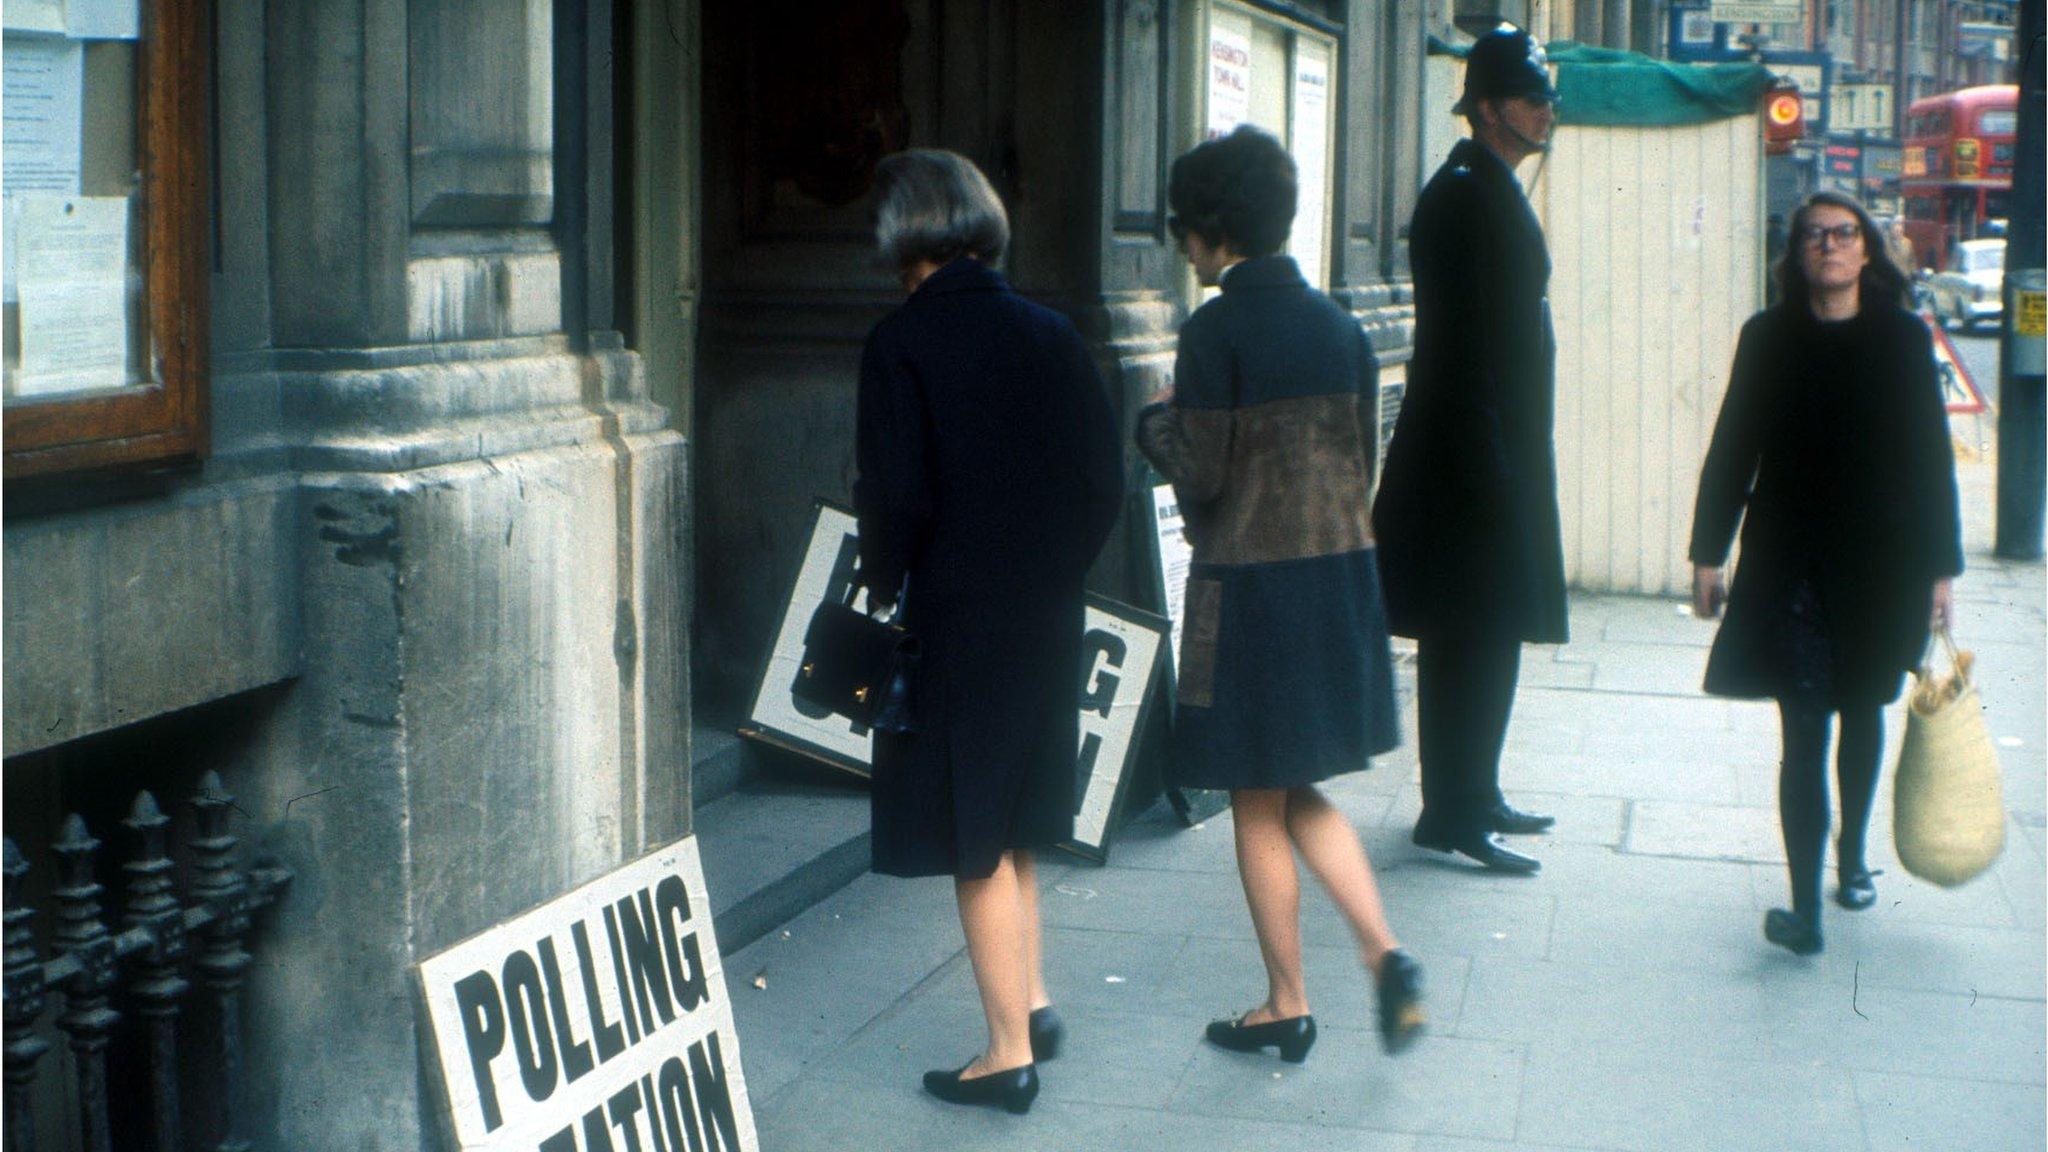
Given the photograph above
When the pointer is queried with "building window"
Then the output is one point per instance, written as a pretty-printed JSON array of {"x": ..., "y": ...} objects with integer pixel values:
[
  {"x": 1280, "y": 76},
  {"x": 105, "y": 310}
]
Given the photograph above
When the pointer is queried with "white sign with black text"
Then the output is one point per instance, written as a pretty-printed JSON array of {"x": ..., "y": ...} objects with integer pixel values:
[
  {"x": 831, "y": 562},
  {"x": 597, "y": 1022},
  {"x": 1120, "y": 652},
  {"x": 1120, "y": 658}
]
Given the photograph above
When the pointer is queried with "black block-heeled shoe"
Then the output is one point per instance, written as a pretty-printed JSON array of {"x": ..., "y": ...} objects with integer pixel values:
[
  {"x": 1792, "y": 932},
  {"x": 1399, "y": 984},
  {"x": 1046, "y": 1033},
  {"x": 1012, "y": 1089},
  {"x": 1293, "y": 1036},
  {"x": 1856, "y": 891}
]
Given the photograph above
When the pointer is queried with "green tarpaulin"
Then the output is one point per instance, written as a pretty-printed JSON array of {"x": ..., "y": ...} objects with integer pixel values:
[{"x": 1610, "y": 87}]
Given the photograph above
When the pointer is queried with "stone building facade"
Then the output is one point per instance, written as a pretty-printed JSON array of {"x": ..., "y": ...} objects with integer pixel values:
[{"x": 534, "y": 334}]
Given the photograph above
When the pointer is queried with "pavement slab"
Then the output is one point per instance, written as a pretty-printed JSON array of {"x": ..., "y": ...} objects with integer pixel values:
[{"x": 1621, "y": 1001}]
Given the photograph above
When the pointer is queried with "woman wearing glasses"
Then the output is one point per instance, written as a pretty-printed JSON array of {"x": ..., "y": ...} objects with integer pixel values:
[
  {"x": 1832, "y": 447},
  {"x": 1285, "y": 679}
]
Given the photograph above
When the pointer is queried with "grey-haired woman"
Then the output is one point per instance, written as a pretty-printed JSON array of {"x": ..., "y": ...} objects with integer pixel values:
[{"x": 990, "y": 474}]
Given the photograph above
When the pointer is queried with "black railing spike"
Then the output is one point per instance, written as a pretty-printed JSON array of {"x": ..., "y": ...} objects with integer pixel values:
[
  {"x": 153, "y": 912},
  {"x": 222, "y": 963},
  {"x": 23, "y": 995},
  {"x": 82, "y": 937}
]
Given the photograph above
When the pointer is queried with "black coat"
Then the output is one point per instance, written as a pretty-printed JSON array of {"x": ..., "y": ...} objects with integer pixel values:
[
  {"x": 1833, "y": 449},
  {"x": 990, "y": 473},
  {"x": 1467, "y": 510}
]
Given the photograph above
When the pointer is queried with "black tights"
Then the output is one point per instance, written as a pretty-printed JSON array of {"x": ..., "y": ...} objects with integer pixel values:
[{"x": 1803, "y": 791}]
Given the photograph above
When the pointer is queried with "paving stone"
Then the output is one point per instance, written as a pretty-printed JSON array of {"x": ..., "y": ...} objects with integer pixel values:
[
  {"x": 1882, "y": 1029},
  {"x": 1654, "y": 1102},
  {"x": 1444, "y": 1086},
  {"x": 1704, "y": 832},
  {"x": 1634, "y": 775},
  {"x": 1586, "y": 872},
  {"x": 1906, "y": 1112},
  {"x": 831, "y": 973},
  {"x": 1547, "y": 1005}
]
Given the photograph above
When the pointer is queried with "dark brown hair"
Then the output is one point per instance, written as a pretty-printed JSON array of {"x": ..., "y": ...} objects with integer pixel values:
[{"x": 1882, "y": 279}]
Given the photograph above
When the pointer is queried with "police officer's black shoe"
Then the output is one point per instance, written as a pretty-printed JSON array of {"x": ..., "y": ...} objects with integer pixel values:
[
  {"x": 1482, "y": 846},
  {"x": 1515, "y": 822}
]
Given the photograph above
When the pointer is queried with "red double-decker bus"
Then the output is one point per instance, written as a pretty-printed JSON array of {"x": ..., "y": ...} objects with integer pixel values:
[{"x": 1956, "y": 168}]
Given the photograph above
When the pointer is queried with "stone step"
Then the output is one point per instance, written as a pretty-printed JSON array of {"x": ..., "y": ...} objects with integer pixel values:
[
  {"x": 719, "y": 762},
  {"x": 784, "y": 837}
]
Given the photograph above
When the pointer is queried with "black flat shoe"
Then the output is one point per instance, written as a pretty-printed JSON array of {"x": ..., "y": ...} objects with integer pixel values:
[
  {"x": 1507, "y": 819},
  {"x": 1293, "y": 1036},
  {"x": 1480, "y": 846},
  {"x": 1046, "y": 1033},
  {"x": 1857, "y": 891},
  {"x": 1012, "y": 1089},
  {"x": 1792, "y": 932},
  {"x": 1400, "y": 993}
]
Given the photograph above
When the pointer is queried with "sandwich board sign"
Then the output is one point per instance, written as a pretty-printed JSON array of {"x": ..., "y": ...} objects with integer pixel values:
[
  {"x": 1121, "y": 653},
  {"x": 597, "y": 1022}
]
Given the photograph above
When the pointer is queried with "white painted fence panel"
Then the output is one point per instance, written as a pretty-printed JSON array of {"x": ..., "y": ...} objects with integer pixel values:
[{"x": 1656, "y": 244}]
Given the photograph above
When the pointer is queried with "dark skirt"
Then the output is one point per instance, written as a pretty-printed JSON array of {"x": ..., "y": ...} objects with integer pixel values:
[{"x": 1298, "y": 672}]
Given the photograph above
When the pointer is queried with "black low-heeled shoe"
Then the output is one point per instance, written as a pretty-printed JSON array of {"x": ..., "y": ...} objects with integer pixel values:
[
  {"x": 1046, "y": 1033},
  {"x": 1293, "y": 1036},
  {"x": 1856, "y": 890},
  {"x": 1792, "y": 932},
  {"x": 1399, "y": 984},
  {"x": 1012, "y": 1089}
]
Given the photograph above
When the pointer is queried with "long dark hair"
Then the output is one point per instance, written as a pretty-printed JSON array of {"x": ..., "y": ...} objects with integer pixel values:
[{"x": 1882, "y": 280}]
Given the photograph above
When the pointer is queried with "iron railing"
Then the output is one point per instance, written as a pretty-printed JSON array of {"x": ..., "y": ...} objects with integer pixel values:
[{"x": 144, "y": 961}]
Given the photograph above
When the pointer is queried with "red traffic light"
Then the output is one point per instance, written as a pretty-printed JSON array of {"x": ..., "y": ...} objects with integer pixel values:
[{"x": 1784, "y": 119}]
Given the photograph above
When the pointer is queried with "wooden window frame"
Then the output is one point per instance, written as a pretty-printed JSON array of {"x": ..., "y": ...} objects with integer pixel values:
[{"x": 163, "y": 421}]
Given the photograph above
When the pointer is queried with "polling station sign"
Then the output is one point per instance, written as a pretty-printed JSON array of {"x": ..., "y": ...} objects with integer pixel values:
[{"x": 597, "y": 1022}]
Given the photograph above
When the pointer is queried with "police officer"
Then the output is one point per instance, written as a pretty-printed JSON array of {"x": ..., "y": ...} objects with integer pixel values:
[{"x": 1466, "y": 517}]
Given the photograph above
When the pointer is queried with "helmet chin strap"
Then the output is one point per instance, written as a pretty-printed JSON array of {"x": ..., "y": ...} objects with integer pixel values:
[{"x": 1538, "y": 146}]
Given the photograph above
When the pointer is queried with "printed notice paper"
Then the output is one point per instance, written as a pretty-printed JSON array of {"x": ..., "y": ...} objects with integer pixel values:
[
  {"x": 104, "y": 19},
  {"x": 42, "y": 107},
  {"x": 71, "y": 257},
  {"x": 34, "y": 16}
]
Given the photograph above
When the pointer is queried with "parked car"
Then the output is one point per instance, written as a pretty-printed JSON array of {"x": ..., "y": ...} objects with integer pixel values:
[{"x": 1972, "y": 289}]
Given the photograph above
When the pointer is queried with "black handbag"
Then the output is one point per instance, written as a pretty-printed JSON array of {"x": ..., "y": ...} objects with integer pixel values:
[{"x": 859, "y": 667}]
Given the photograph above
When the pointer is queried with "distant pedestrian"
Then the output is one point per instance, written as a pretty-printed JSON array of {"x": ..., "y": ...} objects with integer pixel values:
[
  {"x": 1832, "y": 448},
  {"x": 1467, "y": 513},
  {"x": 1285, "y": 676},
  {"x": 989, "y": 478}
]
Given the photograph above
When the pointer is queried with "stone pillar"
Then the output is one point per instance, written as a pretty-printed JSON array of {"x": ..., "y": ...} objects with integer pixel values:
[
  {"x": 488, "y": 542},
  {"x": 1379, "y": 175}
]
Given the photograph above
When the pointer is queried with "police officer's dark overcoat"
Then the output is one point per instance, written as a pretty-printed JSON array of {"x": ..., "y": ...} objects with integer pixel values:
[{"x": 1467, "y": 516}]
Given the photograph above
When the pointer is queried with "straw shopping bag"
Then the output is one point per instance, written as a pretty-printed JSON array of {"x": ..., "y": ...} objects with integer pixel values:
[{"x": 1948, "y": 806}]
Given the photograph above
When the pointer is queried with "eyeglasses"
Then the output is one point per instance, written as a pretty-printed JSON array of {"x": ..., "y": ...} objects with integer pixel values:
[{"x": 1813, "y": 235}]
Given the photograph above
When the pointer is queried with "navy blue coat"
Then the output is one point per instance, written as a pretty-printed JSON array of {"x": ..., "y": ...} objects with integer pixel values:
[
  {"x": 990, "y": 473},
  {"x": 1285, "y": 674},
  {"x": 1467, "y": 511}
]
